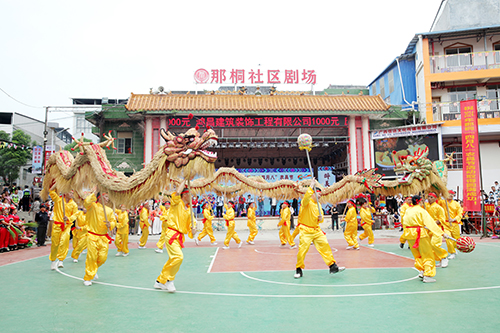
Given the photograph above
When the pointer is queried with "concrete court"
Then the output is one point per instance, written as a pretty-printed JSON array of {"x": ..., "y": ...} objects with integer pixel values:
[{"x": 252, "y": 289}]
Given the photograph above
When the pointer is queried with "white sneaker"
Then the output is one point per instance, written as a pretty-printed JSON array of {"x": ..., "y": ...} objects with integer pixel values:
[
  {"x": 214, "y": 243},
  {"x": 225, "y": 247},
  {"x": 438, "y": 264},
  {"x": 125, "y": 254},
  {"x": 444, "y": 262},
  {"x": 96, "y": 277},
  {"x": 421, "y": 274},
  {"x": 370, "y": 245},
  {"x": 170, "y": 286},
  {"x": 75, "y": 260},
  {"x": 350, "y": 247},
  {"x": 60, "y": 264},
  {"x": 196, "y": 241},
  {"x": 428, "y": 279},
  {"x": 159, "y": 251},
  {"x": 118, "y": 254},
  {"x": 159, "y": 285},
  {"x": 293, "y": 247},
  {"x": 53, "y": 265},
  {"x": 452, "y": 256},
  {"x": 283, "y": 245},
  {"x": 240, "y": 244},
  {"x": 87, "y": 283},
  {"x": 141, "y": 247},
  {"x": 356, "y": 248}
]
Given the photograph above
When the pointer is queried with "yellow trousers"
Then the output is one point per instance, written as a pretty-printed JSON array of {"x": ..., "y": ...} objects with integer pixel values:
[
  {"x": 351, "y": 234},
  {"x": 318, "y": 238},
  {"x": 231, "y": 234},
  {"x": 367, "y": 234},
  {"x": 82, "y": 245},
  {"x": 295, "y": 233},
  {"x": 144, "y": 236},
  {"x": 285, "y": 236},
  {"x": 253, "y": 231},
  {"x": 439, "y": 252},
  {"x": 97, "y": 253},
  {"x": 175, "y": 258},
  {"x": 75, "y": 233},
  {"x": 121, "y": 242},
  {"x": 163, "y": 236},
  {"x": 402, "y": 240},
  {"x": 60, "y": 242},
  {"x": 207, "y": 230},
  {"x": 424, "y": 256},
  {"x": 453, "y": 231}
]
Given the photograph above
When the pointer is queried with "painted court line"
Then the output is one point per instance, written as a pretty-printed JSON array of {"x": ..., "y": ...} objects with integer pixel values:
[
  {"x": 329, "y": 285},
  {"x": 213, "y": 260},
  {"x": 288, "y": 296},
  {"x": 287, "y": 253}
]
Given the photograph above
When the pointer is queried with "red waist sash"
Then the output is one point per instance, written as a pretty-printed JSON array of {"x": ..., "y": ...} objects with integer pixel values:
[
  {"x": 61, "y": 224},
  {"x": 417, "y": 241},
  {"x": 103, "y": 235},
  {"x": 179, "y": 236}
]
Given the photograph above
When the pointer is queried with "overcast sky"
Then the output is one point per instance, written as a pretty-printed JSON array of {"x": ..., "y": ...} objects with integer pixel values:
[{"x": 52, "y": 51}]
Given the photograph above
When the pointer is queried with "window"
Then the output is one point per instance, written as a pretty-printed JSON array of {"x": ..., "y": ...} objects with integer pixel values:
[
  {"x": 459, "y": 56},
  {"x": 496, "y": 47},
  {"x": 493, "y": 94},
  {"x": 391, "y": 81},
  {"x": 382, "y": 87},
  {"x": 460, "y": 94},
  {"x": 124, "y": 142},
  {"x": 457, "y": 156}
]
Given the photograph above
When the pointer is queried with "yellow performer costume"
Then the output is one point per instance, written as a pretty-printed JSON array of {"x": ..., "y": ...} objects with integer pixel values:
[
  {"x": 82, "y": 235},
  {"x": 62, "y": 226},
  {"x": 311, "y": 232},
  {"x": 366, "y": 223},
  {"x": 144, "y": 224},
  {"x": 179, "y": 224},
  {"x": 437, "y": 214},
  {"x": 98, "y": 238},
  {"x": 229, "y": 217},
  {"x": 351, "y": 227},
  {"x": 284, "y": 223},
  {"x": 416, "y": 224},
  {"x": 251, "y": 224},
  {"x": 121, "y": 238},
  {"x": 297, "y": 229},
  {"x": 208, "y": 216},
  {"x": 76, "y": 230},
  {"x": 455, "y": 217},
  {"x": 402, "y": 212},
  {"x": 164, "y": 217}
]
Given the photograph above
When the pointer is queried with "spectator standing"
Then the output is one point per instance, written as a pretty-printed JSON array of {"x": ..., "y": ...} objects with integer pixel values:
[
  {"x": 241, "y": 205},
  {"x": 249, "y": 201},
  {"x": 220, "y": 204},
  {"x": 295, "y": 206},
  {"x": 273, "y": 206},
  {"x": 15, "y": 198},
  {"x": 335, "y": 217},
  {"x": 26, "y": 199},
  {"x": 261, "y": 205}
]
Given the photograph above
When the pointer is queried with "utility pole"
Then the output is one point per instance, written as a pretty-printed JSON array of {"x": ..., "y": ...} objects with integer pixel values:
[{"x": 45, "y": 139}]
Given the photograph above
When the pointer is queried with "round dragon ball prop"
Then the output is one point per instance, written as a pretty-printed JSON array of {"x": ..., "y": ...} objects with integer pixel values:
[
  {"x": 465, "y": 244},
  {"x": 305, "y": 141}
]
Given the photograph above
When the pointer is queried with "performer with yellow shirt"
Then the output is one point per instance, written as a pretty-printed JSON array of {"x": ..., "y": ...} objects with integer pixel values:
[
  {"x": 81, "y": 234},
  {"x": 311, "y": 232},
  {"x": 438, "y": 215},
  {"x": 351, "y": 226},
  {"x": 179, "y": 224},
  {"x": 144, "y": 224},
  {"x": 251, "y": 223},
  {"x": 366, "y": 221},
  {"x": 284, "y": 223},
  {"x": 416, "y": 224},
  {"x": 208, "y": 216},
  {"x": 121, "y": 238},
  {"x": 404, "y": 207},
  {"x": 230, "y": 224},
  {"x": 164, "y": 217},
  {"x": 454, "y": 212},
  {"x": 100, "y": 220},
  {"x": 65, "y": 210}
]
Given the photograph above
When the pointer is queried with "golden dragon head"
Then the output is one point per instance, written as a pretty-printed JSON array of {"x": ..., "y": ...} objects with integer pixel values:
[
  {"x": 180, "y": 149},
  {"x": 409, "y": 167}
]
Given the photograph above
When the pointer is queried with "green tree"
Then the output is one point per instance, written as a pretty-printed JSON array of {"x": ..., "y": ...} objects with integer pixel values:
[{"x": 12, "y": 158}]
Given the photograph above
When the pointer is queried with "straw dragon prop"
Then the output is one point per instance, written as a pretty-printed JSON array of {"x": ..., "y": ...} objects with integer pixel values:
[{"x": 187, "y": 155}]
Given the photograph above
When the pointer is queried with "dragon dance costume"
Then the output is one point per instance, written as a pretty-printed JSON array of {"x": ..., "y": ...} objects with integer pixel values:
[{"x": 61, "y": 229}]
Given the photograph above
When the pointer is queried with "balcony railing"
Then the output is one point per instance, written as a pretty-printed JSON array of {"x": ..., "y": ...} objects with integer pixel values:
[
  {"x": 451, "y": 111},
  {"x": 465, "y": 62}
]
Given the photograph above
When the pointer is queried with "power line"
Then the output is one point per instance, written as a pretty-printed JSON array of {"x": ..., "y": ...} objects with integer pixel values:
[{"x": 31, "y": 106}]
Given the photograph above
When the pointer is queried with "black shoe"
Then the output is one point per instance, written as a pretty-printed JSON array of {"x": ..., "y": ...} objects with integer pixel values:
[
  {"x": 298, "y": 273},
  {"x": 401, "y": 245},
  {"x": 401, "y": 229},
  {"x": 335, "y": 269}
]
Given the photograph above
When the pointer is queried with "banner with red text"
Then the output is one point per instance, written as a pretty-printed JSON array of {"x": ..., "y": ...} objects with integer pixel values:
[{"x": 470, "y": 153}]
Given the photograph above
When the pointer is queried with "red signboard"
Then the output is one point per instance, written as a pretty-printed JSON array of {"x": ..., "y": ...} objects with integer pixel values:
[
  {"x": 270, "y": 76},
  {"x": 470, "y": 153},
  {"x": 256, "y": 121}
]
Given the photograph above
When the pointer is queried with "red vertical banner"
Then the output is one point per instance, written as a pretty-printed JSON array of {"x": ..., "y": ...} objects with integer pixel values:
[{"x": 470, "y": 153}]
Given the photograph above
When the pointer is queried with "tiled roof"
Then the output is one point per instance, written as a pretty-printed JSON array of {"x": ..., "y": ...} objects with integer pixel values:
[{"x": 237, "y": 103}]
